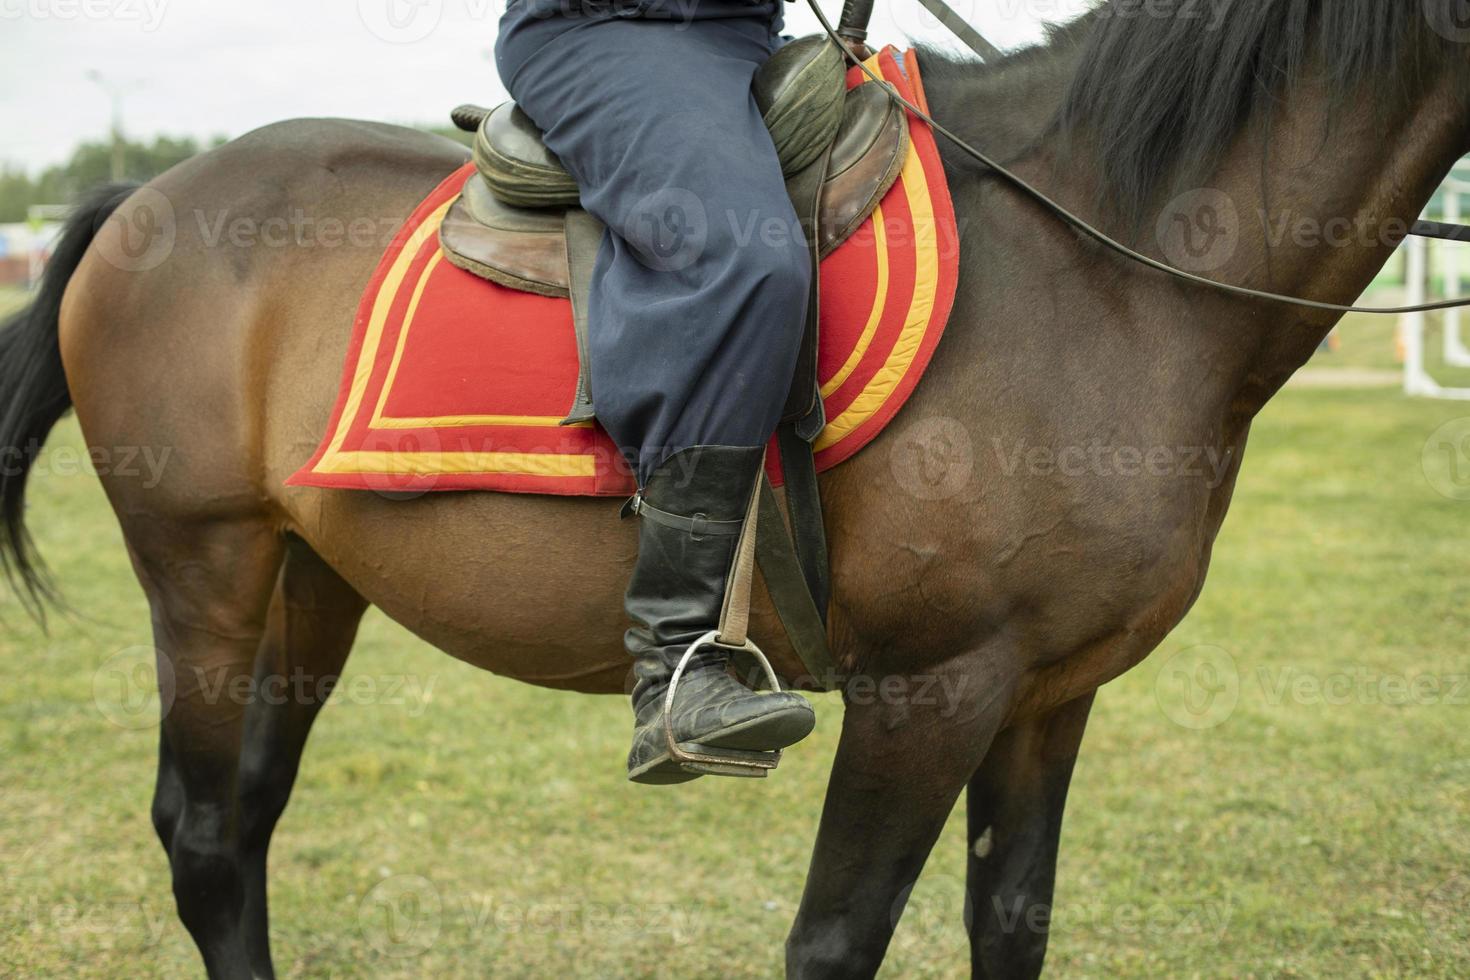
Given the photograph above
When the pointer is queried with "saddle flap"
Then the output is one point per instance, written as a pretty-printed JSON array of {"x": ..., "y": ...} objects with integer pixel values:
[
  {"x": 867, "y": 157},
  {"x": 520, "y": 248}
]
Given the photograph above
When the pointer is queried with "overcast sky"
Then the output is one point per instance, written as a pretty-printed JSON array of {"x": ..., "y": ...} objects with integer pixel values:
[{"x": 202, "y": 67}]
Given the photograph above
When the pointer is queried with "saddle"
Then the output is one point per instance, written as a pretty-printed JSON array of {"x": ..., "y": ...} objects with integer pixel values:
[{"x": 519, "y": 223}]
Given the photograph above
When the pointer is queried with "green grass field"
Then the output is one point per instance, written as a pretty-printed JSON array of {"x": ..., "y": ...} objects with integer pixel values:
[
  {"x": 1282, "y": 790},
  {"x": 11, "y": 299},
  {"x": 1369, "y": 342}
]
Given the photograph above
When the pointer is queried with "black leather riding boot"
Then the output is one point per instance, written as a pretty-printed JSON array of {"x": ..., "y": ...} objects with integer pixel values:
[{"x": 690, "y": 514}]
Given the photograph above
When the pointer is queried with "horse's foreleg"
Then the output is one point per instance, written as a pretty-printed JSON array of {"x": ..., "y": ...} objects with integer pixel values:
[
  {"x": 909, "y": 745},
  {"x": 208, "y": 586},
  {"x": 1016, "y": 801},
  {"x": 309, "y": 632}
]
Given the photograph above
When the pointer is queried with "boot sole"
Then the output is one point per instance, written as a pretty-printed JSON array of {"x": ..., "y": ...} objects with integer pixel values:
[{"x": 764, "y": 734}]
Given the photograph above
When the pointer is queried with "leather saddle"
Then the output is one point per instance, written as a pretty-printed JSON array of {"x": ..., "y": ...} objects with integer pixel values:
[{"x": 510, "y": 224}]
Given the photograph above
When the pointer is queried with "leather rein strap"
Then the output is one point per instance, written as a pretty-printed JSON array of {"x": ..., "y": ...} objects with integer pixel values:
[{"x": 858, "y": 12}]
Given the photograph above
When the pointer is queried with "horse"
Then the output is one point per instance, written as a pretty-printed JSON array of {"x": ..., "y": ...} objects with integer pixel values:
[{"x": 960, "y": 555}]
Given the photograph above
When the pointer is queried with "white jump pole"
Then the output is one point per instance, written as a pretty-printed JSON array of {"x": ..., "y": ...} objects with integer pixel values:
[
  {"x": 1417, "y": 381},
  {"x": 1455, "y": 352}
]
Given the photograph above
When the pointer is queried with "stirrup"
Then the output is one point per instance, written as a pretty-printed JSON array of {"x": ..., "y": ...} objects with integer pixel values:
[{"x": 697, "y": 758}]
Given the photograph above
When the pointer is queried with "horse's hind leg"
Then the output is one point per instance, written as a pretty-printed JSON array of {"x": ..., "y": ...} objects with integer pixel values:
[
  {"x": 313, "y": 620},
  {"x": 209, "y": 584},
  {"x": 1016, "y": 801}
]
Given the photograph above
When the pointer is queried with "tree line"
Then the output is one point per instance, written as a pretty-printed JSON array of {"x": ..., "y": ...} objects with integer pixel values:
[{"x": 92, "y": 163}]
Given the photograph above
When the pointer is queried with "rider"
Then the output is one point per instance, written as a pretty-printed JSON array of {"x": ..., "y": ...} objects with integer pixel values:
[{"x": 696, "y": 310}]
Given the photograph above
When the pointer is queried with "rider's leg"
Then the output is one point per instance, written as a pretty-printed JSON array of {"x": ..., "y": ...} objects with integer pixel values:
[{"x": 696, "y": 311}]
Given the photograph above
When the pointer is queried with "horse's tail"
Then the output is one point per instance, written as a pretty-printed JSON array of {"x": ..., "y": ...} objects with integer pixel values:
[{"x": 33, "y": 392}]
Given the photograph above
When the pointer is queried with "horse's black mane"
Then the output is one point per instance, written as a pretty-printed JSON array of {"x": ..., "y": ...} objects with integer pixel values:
[{"x": 1164, "y": 86}]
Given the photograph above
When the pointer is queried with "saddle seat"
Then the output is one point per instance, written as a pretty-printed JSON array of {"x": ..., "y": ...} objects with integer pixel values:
[{"x": 840, "y": 149}]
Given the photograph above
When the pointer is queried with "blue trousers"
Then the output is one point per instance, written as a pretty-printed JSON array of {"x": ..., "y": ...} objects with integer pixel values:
[{"x": 700, "y": 287}]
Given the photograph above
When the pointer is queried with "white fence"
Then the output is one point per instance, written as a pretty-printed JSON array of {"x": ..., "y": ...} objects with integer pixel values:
[
  {"x": 31, "y": 241},
  {"x": 1423, "y": 258}
]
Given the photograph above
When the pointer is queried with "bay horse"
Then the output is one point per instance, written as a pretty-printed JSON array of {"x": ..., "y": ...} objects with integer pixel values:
[{"x": 960, "y": 555}]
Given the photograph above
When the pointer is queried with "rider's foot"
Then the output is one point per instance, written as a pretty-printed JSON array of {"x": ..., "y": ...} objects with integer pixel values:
[
  {"x": 691, "y": 511},
  {"x": 713, "y": 714}
]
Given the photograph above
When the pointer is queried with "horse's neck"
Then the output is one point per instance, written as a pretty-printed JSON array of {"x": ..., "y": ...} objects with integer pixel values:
[
  {"x": 1315, "y": 212},
  {"x": 1320, "y": 208}
]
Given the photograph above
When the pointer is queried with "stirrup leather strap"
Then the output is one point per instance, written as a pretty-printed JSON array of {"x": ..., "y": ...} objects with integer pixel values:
[{"x": 734, "y": 628}]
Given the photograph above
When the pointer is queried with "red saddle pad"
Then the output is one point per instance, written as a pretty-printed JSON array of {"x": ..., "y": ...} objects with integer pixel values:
[{"x": 456, "y": 383}]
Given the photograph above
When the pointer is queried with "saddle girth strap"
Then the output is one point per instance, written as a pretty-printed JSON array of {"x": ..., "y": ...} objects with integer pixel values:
[
  {"x": 790, "y": 595},
  {"x": 584, "y": 239},
  {"x": 804, "y": 503}
]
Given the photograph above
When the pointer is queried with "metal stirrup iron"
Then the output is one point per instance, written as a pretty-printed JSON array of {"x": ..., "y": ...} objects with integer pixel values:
[{"x": 732, "y": 634}]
